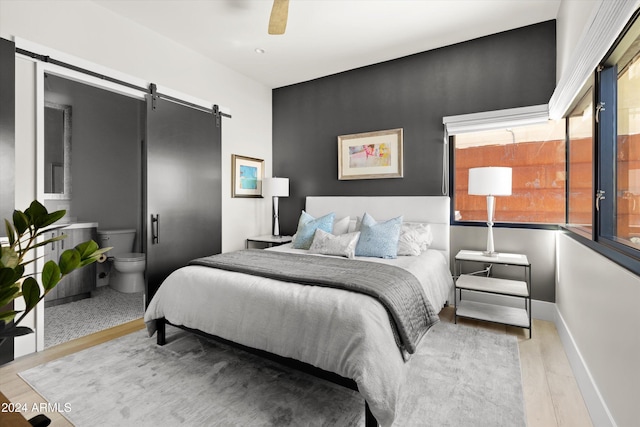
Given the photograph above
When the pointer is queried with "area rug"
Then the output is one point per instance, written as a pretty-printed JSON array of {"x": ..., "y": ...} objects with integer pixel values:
[{"x": 460, "y": 376}]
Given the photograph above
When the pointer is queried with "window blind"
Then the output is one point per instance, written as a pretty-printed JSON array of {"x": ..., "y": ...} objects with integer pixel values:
[{"x": 487, "y": 120}]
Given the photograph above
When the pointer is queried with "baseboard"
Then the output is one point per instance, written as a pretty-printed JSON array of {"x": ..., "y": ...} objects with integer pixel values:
[{"x": 598, "y": 410}]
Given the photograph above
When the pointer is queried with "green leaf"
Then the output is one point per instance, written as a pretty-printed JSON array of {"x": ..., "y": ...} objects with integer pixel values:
[
  {"x": 98, "y": 256},
  {"x": 50, "y": 275},
  {"x": 8, "y": 277},
  {"x": 20, "y": 221},
  {"x": 36, "y": 211},
  {"x": 49, "y": 219},
  {"x": 86, "y": 249},
  {"x": 13, "y": 330},
  {"x": 9, "y": 294},
  {"x": 69, "y": 261},
  {"x": 90, "y": 252},
  {"x": 11, "y": 233},
  {"x": 18, "y": 271},
  {"x": 31, "y": 292},
  {"x": 8, "y": 316},
  {"x": 8, "y": 257}
]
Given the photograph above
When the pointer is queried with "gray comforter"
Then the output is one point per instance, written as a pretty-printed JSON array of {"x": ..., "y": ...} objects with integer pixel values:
[{"x": 410, "y": 313}]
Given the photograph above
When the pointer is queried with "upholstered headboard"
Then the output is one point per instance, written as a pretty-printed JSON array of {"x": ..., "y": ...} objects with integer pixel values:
[{"x": 434, "y": 210}]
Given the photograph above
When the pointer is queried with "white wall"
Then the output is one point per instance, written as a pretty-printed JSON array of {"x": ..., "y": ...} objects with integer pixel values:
[
  {"x": 571, "y": 23},
  {"x": 25, "y": 170},
  {"x": 598, "y": 302},
  {"x": 93, "y": 33},
  {"x": 88, "y": 31}
]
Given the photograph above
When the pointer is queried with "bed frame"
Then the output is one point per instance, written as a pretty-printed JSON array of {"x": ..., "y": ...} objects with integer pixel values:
[{"x": 434, "y": 210}]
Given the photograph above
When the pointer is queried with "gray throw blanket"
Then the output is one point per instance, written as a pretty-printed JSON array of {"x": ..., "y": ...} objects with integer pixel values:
[{"x": 399, "y": 291}]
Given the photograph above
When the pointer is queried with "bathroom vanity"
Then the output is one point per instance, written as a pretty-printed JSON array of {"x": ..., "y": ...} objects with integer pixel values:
[{"x": 79, "y": 283}]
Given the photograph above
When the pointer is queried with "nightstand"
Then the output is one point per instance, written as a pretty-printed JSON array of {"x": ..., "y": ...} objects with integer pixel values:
[
  {"x": 514, "y": 316},
  {"x": 266, "y": 241}
]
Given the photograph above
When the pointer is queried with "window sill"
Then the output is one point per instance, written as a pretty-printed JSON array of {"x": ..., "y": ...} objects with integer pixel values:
[
  {"x": 621, "y": 258},
  {"x": 531, "y": 226}
]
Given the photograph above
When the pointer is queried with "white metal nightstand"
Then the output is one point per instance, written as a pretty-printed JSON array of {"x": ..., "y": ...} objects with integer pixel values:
[
  {"x": 514, "y": 316},
  {"x": 267, "y": 241}
]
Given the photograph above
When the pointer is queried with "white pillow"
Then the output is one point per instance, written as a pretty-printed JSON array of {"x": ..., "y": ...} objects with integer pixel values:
[
  {"x": 341, "y": 226},
  {"x": 328, "y": 244},
  {"x": 415, "y": 237}
]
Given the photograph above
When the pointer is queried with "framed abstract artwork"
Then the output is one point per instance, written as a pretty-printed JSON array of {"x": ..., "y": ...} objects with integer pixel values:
[
  {"x": 246, "y": 176},
  {"x": 370, "y": 155}
]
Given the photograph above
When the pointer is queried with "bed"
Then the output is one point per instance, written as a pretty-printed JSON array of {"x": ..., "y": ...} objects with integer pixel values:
[{"x": 346, "y": 337}]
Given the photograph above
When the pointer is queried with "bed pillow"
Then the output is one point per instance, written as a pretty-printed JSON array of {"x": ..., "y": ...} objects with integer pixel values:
[
  {"x": 341, "y": 226},
  {"x": 307, "y": 226},
  {"x": 415, "y": 238},
  {"x": 379, "y": 240},
  {"x": 329, "y": 244}
]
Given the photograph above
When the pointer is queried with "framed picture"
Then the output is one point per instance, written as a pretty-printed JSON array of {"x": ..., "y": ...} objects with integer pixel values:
[
  {"x": 370, "y": 155},
  {"x": 246, "y": 176}
]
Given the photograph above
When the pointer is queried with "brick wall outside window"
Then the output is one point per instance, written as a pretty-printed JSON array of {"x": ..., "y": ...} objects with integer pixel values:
[{"x": 538, "y": 186}]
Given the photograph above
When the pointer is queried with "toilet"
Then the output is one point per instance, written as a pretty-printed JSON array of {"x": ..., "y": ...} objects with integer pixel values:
[{"x": 127, "y": 268}]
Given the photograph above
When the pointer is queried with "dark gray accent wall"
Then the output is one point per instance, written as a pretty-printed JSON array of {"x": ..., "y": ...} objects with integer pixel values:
[
  {"x": 7, "y": 153},
  {"x": 506, "y": 70}
]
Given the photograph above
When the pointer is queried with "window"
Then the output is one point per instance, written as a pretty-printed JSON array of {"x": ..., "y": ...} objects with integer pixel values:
[
  {"x": 580, "y": 164},
  {"x": 536, "y": 153},
  {"x": 619, "y": 145},
  {"x": 628, "y": 151},
  {"x": 611, "y": 104}
]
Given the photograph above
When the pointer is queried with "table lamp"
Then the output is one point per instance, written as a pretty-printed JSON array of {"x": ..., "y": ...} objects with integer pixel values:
[
  {"x": 276, "y": 187},
  {"x": 490, "y": 182}
]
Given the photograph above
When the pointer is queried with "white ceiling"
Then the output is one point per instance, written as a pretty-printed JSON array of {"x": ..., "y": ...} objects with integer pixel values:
[{"x": 324, "y": 37}]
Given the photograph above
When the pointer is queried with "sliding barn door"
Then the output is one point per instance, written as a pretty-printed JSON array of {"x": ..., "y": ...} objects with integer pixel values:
[
  {"x": 183, "y": 188},
  {"x": 7, "y": 155}
]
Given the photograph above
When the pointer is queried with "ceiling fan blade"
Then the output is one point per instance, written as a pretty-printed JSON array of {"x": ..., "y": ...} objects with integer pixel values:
[{"x": 279, "y": 14}]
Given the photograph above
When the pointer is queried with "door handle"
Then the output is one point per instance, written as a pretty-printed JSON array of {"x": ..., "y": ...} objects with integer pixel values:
[{"x": 155, "y": 229}]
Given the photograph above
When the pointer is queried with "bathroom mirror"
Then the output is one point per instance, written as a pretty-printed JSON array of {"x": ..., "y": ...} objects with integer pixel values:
[{"x": 57, "y": 151}]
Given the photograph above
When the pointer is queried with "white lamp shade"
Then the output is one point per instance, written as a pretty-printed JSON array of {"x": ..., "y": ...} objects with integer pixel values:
[
  {"x": 275, "y": 187},
  {"x": 490, "y": 181}
]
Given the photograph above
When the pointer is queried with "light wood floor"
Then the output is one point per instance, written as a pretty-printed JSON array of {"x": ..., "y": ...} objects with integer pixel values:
[{"x": 551, "y": 394}]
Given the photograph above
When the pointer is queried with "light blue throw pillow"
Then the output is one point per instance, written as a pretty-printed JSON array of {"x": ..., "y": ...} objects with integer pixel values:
[
  {"x": 379, "y": 240},
  {"x": 307, "y": 226}
]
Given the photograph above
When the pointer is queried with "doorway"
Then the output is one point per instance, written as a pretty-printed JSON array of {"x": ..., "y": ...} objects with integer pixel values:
[{"x": 104, "y": 167}]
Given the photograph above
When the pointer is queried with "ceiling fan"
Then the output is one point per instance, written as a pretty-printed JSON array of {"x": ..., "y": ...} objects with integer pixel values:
[{"x": 279, "y": 14}]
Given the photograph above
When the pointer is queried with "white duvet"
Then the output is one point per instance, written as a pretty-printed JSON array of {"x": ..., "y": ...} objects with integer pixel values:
[{"x": 335, "y": 330}]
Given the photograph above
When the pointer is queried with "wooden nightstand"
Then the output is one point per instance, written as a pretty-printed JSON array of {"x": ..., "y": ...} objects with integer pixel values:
[
  {"x": 266, "y": 241},
  {"x": 514, "y": 316}
]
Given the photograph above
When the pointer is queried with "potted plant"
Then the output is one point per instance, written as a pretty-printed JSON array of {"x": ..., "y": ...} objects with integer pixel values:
[{"x": 24, "y": 237}]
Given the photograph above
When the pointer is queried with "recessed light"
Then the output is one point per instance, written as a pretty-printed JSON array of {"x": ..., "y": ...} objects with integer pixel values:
[{"x": 258, "y": 50}]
